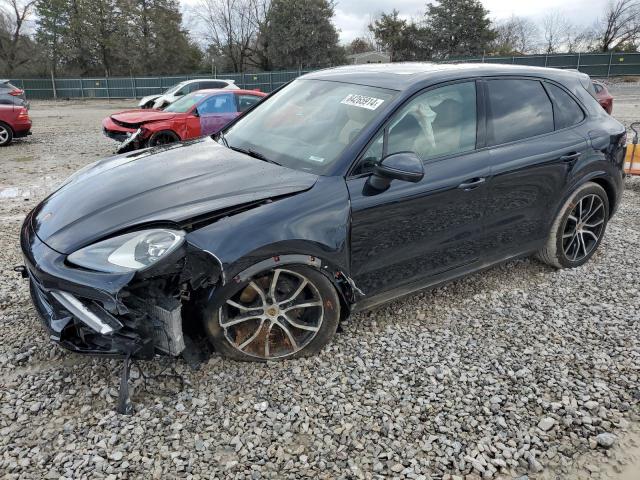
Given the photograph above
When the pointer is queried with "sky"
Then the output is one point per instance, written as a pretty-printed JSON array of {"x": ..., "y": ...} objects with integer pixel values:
[{"x": 352, "y": 16}]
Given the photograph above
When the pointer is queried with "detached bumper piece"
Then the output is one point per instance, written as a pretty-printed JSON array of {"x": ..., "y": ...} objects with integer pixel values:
[{"x": 84, "y": 326}]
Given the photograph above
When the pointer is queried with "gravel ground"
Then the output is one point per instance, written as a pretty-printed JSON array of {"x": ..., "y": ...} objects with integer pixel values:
[{"x": 518, "y": 372}]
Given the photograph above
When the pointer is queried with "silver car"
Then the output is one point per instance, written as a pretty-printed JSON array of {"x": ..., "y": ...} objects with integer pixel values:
[
  {"x": 177, "y": 91},
  {"x": 12, "y": 95}
]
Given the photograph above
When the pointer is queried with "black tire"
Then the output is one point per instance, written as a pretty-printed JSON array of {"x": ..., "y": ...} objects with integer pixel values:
[
  {"x": 565, "y": 249},
  {"x": 329, "y": 317},
  {"x": 163, "y": 137},
  {"x": 6, "y": 134}
]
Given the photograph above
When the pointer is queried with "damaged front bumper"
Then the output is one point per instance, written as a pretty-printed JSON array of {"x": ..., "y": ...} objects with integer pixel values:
[{"x": 116, "y": 315}]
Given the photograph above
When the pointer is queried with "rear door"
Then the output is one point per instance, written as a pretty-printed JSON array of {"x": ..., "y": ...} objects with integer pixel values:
[
  {"x": 216, "y": 111},
  {"x": 533, "y": 147}
]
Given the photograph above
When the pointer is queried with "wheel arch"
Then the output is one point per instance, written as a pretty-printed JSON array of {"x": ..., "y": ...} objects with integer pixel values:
[
  {"x": 609, "y": 189},
  {"x": 5, "y": 124},
  {"x": 348, "y": 292}
]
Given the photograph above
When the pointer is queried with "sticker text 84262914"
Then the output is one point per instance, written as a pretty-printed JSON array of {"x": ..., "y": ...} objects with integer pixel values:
[{"x": 362, "y": 101}]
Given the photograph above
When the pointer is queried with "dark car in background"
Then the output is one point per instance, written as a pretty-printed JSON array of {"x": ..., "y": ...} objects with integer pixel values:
[
  {"x": 605, "y": 99},
  {"x": 197, "y": 114},
  {"x": 347, "y": 188},
  {"x": 12, "y": 95}
]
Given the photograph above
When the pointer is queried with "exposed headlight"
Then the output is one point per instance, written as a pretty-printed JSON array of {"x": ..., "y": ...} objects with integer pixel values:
[{"x": 130, "y": 252}]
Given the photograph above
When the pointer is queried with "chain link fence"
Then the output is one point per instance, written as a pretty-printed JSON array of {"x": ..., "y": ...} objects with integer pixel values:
[{"x": 594, "y": 64}]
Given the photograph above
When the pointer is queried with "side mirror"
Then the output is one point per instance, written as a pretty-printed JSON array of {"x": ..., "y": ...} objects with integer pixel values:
[
  {"x": 179, "y": 93},
  {"x": 195, "y": 112},
  {"x": 405, "y": 166}
]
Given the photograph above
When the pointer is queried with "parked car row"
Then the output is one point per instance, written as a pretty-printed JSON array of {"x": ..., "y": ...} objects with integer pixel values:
[
  {"x": 200, "y": 113},
  {"x": 173, "y": 93}
]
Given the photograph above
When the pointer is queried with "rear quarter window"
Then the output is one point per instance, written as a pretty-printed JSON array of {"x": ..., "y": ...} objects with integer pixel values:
[
  {"x": 566, "y": 112},
  {"x": 518, "y": 109}
]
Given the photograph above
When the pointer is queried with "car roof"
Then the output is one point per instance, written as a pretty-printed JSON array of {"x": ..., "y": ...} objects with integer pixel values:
[
  {"x": 236, "y": 91},
  {"x": 207, "y": 80},
  {"x": 402, "y": 76}
]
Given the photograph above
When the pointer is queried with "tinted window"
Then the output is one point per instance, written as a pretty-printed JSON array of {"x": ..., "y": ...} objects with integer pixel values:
[
  {"x": 218, "y": 104},
  {"x": 212, "y": 85},
  {"x": 518, "y": 109},
  {"x": 245, "y": 102},
  {"x": 566, "y": 111},
  {"x": 193, "y": 87}
]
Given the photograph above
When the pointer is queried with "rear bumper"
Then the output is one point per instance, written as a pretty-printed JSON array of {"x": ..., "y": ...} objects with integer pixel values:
[{"x": 21, "y": 133}]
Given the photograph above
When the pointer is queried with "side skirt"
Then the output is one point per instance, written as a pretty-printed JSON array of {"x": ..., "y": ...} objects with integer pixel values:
[{"x": 430, "y": 283}]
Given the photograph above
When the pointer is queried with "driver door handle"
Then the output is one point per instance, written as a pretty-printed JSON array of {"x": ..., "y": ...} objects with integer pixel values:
[
  {"x": 472, "y": 184},
  {"x": 571, "y": 157}
]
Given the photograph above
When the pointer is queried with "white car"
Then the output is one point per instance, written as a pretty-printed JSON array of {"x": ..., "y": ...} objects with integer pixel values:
[{"x": 177, "y": 91}]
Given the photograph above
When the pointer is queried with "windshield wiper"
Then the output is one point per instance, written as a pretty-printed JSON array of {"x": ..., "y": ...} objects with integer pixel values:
[
  {"x": 252, "y": 153},
  {"x": 221, "y": 136}
]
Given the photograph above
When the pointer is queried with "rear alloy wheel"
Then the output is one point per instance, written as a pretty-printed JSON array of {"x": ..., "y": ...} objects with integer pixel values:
[
  {"x": 6, "y": 134},
  {"x": 578, "y": 229},
  {"x": 163, "y": 137},
  {"x": 285, "y": 312}
]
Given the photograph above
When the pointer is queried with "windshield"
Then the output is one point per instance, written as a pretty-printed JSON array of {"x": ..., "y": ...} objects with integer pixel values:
[
  {"x": 307, "y": 124},
  {"x": 184, "y": 104}
]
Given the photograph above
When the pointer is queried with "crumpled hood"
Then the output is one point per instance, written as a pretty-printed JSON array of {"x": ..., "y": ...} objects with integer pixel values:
[
  {"x": 143, "y": 116},
  {"x": 174, "y": 184}
]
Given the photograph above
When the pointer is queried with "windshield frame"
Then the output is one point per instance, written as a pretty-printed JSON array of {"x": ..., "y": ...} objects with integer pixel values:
[{"x": 342, "y": 163}]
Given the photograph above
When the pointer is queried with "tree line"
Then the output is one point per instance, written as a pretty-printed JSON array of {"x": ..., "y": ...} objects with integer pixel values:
[
  {"x": 460, "y": 28},
  {"x": 151, "y": 37}
]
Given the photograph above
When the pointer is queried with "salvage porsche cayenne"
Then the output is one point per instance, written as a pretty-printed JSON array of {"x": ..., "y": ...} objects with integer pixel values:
[{"x": 346, "y": 188}]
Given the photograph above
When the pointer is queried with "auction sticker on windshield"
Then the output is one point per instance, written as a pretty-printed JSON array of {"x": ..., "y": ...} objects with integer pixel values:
[{"x": 370, "y": 103}]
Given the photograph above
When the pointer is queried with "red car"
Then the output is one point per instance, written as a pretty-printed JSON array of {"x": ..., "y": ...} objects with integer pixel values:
[
  {"x": 604, "y": 97},
  {"x": 197, "y": 114},
  {"x": 14, "y": 123}
]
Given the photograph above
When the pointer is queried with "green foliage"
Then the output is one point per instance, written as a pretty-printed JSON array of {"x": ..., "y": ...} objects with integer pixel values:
[
  {"x": 458, "y": 28},
  {"x": 114, "y": 37},
  {"x": 403, "y": 40},
  {"x": 301, "y": 34}
]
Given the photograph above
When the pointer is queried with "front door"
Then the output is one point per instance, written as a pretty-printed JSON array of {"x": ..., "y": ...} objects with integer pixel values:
[
  {"x": 216, "y": 111},
  {"x": 413, "y": 231}
]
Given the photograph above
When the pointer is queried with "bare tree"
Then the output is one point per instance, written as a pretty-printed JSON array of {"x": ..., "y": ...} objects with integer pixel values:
[
  {"x": 620, "y": 24},
  {"x": 232, "y": 28},
  {"x": 516, "y": 35},
  {"x": 13, "y": 17},
  {"x": 577, "y": 39},
  {"x": 554, "y": 28}
]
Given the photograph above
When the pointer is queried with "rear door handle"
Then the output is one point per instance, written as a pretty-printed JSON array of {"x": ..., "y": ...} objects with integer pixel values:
[
  {"x": 472, "y": 184},
  {"x": 571, "y": 157}
]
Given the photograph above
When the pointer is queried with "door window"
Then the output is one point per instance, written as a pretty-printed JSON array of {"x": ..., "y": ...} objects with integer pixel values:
[
  {"x": 566, "y": 112},
  {"x": 518, "y": 109},
  {"x": 439, "y": 122},
  {"x": 218, "y": 84},
  {"x": 218, "y": 104},
  {"x": 245, "y": 102}
]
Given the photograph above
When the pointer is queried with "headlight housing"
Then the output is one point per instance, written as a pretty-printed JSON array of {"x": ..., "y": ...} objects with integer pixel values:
[{"x": 129, "y": 252}]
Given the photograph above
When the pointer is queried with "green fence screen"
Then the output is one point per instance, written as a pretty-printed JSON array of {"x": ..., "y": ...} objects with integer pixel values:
[{"x": 594, "y": 64}]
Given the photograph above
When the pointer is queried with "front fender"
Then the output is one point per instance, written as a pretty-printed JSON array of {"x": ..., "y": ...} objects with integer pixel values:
[{"x": 314, "y": 223}]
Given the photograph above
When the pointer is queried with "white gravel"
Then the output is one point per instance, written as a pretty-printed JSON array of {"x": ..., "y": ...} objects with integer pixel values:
[{"x": 517, "y": 372}]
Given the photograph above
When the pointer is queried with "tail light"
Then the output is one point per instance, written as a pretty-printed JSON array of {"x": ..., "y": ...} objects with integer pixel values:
[
  {"x": 23, "y": 114},
  {"x": 16, "y": 92}
]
